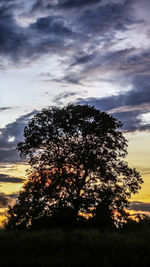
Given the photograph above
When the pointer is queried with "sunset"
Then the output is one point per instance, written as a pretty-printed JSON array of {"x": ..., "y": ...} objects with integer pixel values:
[{"x": 74, "y": 53}]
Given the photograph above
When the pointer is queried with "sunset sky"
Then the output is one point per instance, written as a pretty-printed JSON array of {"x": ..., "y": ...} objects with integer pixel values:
[{"x": 53, "y": 52}]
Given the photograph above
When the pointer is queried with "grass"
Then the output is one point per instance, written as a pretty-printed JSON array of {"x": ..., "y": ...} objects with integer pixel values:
[{"x": 75, "y": 248}]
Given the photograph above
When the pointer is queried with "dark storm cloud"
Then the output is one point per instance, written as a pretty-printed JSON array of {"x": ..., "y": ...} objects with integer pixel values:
[
  {"x": 10, "y": 136},
  {"x": 10, "y": 179},
  {"x": 104, "y": 18},
  {"x": 77, "y": 3},
  {"x": 42, "y": 5},
  {"x": 47, "y": 34},
  {"x": 56, "y": 29},
  {"x": 51, "y": 36},
  {"x": 12, "y": 37},
  {"x": 39, "y": 5},
  {"x": 51, "y": 26}
]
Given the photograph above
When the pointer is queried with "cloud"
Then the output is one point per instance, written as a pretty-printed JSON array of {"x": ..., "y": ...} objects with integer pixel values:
[
  {"x": 42, "y": 5},
  {"x": 54, "y": 28},
  {"x": 10, "y": 136},
  {"x": 77, "y": 3},
  {"x": 13, "y": 37},
  {"x": 94, "y": 20},
  {"x": 127, "y": 107},
  {"x": 139, "y": 206},
  {"x": 9, "y": 156},
  {"x": 144, "y": 107},
  {"x": 51, "y": 26},
  {"x": 5, "y": 108},
  {"x": 19, "y": 43},
  {"x": 10, "y": 179},
  {"x": 6, "y": 200},
  {"x": 59, "y": 99},
  {"x": 83, "y": 59},
  {"x": 90, "y": 39},
  {"x": 129, "y": 63}
]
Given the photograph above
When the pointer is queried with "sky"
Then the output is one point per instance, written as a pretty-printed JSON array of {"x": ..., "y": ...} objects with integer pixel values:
[{"x": 55, "y": 52}]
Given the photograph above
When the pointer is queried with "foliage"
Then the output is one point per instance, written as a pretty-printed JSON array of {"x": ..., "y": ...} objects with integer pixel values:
[{"x": 76, "y": 154}]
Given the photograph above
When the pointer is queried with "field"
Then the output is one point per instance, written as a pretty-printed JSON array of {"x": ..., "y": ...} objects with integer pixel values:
[{"x": 75, "y": 248}]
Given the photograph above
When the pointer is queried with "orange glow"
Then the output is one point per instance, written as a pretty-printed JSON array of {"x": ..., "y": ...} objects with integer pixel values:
[{"x": 139, "y": 212}]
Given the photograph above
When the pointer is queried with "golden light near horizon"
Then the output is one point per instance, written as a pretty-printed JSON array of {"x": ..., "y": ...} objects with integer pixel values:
[
  {"x": 13, "y": 170},
  {"x": 8, "y": 188},
  {"x": 138, "y": 157}
]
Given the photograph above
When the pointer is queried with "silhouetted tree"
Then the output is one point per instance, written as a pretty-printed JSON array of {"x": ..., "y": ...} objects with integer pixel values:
[{"x": 75, "y": 154}]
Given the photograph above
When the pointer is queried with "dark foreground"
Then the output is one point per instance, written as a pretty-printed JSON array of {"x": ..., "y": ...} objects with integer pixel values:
[{"x": 75, "y": 248}]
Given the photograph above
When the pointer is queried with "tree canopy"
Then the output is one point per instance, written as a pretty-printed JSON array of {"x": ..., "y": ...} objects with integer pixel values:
[{"x": 77, "y": 158}]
